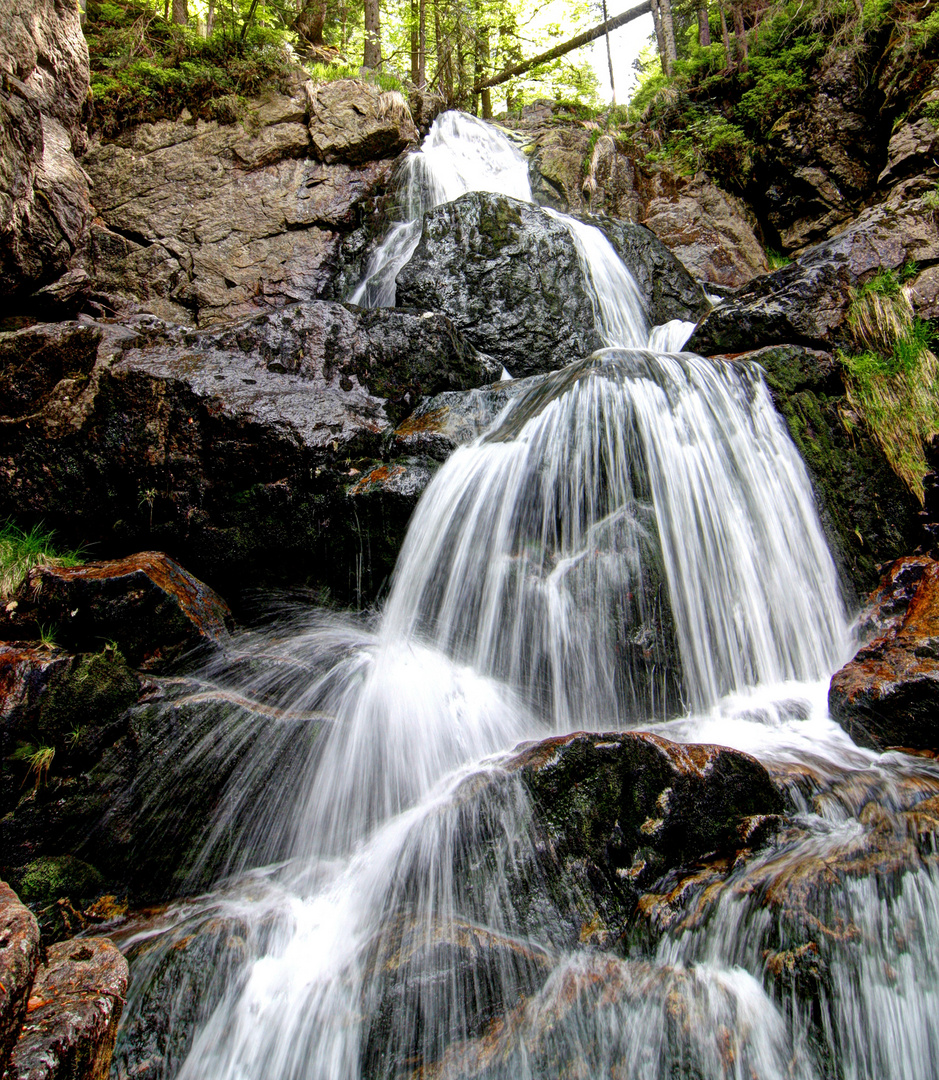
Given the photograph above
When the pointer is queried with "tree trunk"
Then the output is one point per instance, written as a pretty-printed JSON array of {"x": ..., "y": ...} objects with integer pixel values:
[
  {"x": 668, "y": 32},
  {"x": 740, "y": 33},
  {"x": 609, "y": 59},
  {"x": 568, "y": 46},
  {"x": 422, "y": 43},
  {"x": 704, "y": 25},
  {"x": 210, "y": 19},
  {"x": 659, "y": 36},
  {"x": 725, "y": 35},
  {"x": 415, "y": 45},
  {"x": 482, "y": 69},
  {"x": 180, "y": 12},
  {"x": 372, "y": 55},
  {"x": 310, "y": 21}
]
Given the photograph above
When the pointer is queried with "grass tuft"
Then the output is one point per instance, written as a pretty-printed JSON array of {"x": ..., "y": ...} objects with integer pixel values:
[
  {"x": 892, "y": 380},
  {"x": 21, "y": 550}
]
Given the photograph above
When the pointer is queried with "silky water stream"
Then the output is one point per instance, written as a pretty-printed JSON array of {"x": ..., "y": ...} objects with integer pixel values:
[{"x": 634, "y": 538}]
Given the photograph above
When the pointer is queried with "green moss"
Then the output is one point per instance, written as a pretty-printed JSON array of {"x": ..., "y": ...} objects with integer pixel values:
[{"x": 46, "y": 880}]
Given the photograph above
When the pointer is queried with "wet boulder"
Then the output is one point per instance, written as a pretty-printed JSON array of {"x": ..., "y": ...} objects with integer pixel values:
[
  {"x": 807, "y": 302},
  {"x": 888, "y": 695},
  {"x": 147, "y": 604},
  {"x": 508, "y": 276},
  {"x": 667, "y": 289},
  {"x": 19, "y": 958},
  {"x": 73, "y": 1013},
  {"x": 223, "y": 448},
  {"x": 614, "y": 813}
]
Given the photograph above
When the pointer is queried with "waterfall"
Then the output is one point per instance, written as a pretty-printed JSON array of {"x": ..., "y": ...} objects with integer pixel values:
[{"x": 634, "y": 537}]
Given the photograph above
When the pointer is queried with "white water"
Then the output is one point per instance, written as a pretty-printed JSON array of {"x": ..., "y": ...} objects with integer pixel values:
[{"x": 635, "y": 534}]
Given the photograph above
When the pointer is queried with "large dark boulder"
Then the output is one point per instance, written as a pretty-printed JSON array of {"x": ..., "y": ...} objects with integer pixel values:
[
  {"x": 888, "y": 695},
  {"x": 508, "y": 276},
  {"x": 630, "y": 806},
  {"x": 231, "y": 450},
  {"x": 147, "y": 605}
]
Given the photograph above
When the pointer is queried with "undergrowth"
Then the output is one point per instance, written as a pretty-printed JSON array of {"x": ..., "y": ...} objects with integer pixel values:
[
  {"x": 716, "y": 111},
  {"x": 20, "y": 550},
  {"x": 892, "y": 379},
  {"x": 144, "y": 68}
]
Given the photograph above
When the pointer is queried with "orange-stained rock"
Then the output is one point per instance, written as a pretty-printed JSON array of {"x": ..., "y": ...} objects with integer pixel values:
[
  {"x": 72, "y": 1015},
  {"x": 19, "y": 957},
  {"x": 888, "y": 695},
  {"x": 146, "y": 603}
]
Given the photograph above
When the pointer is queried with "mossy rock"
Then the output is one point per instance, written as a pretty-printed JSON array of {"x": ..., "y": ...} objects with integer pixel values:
[{"x": 53, "y": 877}]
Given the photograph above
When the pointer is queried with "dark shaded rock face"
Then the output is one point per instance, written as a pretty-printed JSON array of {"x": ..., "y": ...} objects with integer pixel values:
[
  {"x": 224, "y": 447},
  {"x": 69, "y": 703},
  {"x": 44, "y": 204},
  {"x": 147, "y": 604},
  {"x": 806, "y": 302},
  {"x": 868, "y": 512},
  {"x": 507, "y": 274},
  {"x": 888, "y": 695},
  {"x": 667, "y": 288},
  {"x": 75, "y": 1007},
  {"x": 19, "y": 958}
]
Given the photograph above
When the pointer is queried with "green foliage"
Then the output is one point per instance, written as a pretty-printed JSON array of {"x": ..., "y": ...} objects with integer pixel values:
[
  {"x": 931, "y": 198},
  {"x": 20, "y": 550},
  {"x": 776, "y": 259},
  {"x": 144, "y": 68}
]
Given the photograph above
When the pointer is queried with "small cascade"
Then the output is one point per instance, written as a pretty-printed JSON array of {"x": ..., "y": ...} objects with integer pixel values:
[
  {"x": 634, "y": 537},
  {"x": 460, "y": 154}
]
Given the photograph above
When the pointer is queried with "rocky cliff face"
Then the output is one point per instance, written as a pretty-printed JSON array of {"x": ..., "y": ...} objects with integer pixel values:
[
  {"x": 44, "y": 207},
  {"x": 205, "y": 222}
]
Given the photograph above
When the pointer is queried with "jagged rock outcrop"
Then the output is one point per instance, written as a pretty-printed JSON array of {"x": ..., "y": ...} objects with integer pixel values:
[
  {"x": 75, "y": 1007},
  {"x": 711, "y": 232},
  {"x": 509, "y": 277},
  {"x": 888, "y": 695},
  {"x": 44, "y": 204},
  {"x": 147, "y": 605},
  {"x": 577, "y": 170},
  {"x": 223, "y": 447},
  {"x": 807, "y": 302},
  {"x": 868, "y": 512},
  {"x": 19, "y": 958},
  {"x": 208, "y": 222}
]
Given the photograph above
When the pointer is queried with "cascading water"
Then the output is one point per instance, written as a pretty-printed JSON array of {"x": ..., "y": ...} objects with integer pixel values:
[{"x": 635, "y": 536}]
